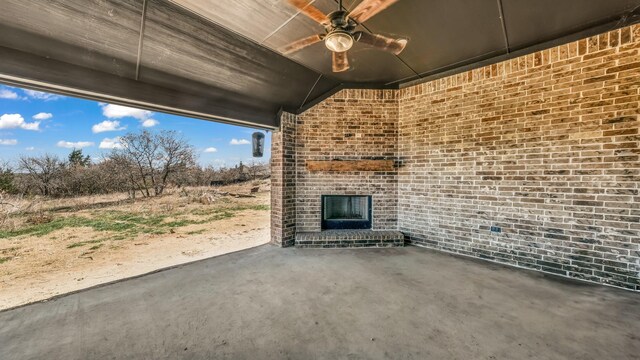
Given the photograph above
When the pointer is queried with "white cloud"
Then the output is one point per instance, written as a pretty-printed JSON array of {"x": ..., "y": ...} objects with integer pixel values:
[
  {"x": 74, "y": 145},
  {"x": 210, "y": 150},
  {"x": 8, "y": 142},
  {"x": 16, "y": 121},
  {"x": 112, "y": 111},
  {"x": 150, "y": 123},
  {"x": 8, "y": 94},
  {"x": 34, "y": 126},
  {"x": 30, "y": 148},
  {"x": 42, "y": 116},
  {"x": 107, "y": 125},
  {"x": 39, "y": 95},
  {"x": 11, "y": 121},
  {"x": 114, "y": 143},
  {"x": 239, "y": 142}
]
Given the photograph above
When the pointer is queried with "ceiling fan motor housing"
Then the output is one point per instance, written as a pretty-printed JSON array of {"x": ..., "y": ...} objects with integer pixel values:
[{"x": 340, "y": 20}]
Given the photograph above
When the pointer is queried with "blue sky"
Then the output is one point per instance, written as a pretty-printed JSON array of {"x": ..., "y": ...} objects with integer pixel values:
[{"x": 33, "y": 122}]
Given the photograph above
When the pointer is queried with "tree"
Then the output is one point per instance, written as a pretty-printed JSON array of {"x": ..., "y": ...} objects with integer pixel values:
[
  {"x": 42, "y": 172},
  {"x": 6, "y": 178},
  {"x": 77, "y": 159},
  {"x": 176, "y": 157},
  {"x": 128, "y": 170},
  {"x": 256, "y": 170},
  {"x": 152, "y": 159}
]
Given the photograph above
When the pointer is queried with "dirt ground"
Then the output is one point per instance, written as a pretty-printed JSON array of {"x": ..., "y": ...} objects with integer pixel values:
[{"x": 70, "y": 244}]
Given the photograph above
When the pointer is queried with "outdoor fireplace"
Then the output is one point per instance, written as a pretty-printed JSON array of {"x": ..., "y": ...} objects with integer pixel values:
[{"x": 346, "y": 212}]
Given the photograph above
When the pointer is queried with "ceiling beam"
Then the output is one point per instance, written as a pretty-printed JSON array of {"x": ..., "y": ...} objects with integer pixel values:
[
  {"x": 311, "y": 90},
  {"x": 31, "y": 71},
  {"x": 504, "y": 26},
  {"x": 141, "y": 38}
]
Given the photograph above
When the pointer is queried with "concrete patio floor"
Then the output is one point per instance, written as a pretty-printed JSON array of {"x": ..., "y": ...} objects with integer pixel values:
[{"x": 272, "y": 303}]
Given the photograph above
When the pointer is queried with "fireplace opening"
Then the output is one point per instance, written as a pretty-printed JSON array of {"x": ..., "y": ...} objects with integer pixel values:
[{"x": 346, "y": 212}]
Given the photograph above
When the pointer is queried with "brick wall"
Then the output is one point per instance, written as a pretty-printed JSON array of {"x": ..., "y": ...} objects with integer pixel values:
[
  {"x": 351, "y": 125},
  {"x": 545, "y": 147},
  {"x": 283, "y": 204}
]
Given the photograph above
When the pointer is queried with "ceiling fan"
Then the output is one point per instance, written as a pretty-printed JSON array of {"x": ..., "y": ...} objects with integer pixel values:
[{"x": 340, "y": 31}]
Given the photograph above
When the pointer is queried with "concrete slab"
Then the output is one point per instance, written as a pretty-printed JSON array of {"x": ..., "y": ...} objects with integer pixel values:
[{"x": 272, "y": 303}]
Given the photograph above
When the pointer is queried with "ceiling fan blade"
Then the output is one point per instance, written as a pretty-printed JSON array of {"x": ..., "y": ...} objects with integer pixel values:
[
  {"x": 369, "y": 8},
  {"x": 381, "y": 42},
  {"x": 300, "y": 44},
  {"x": 340, "y": 61},
  {"x": 311, "y": 11}
]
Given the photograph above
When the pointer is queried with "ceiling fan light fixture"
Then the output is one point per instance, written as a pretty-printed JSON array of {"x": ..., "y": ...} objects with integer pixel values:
[{"x": 338, "y": 41}]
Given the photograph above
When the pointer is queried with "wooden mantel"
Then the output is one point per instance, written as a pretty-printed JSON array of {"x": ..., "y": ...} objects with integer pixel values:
[{"x": 350, "y": 165}]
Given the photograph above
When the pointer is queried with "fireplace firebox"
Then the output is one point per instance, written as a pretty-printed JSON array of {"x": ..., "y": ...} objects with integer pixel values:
[{"x": 346, "y": 212}]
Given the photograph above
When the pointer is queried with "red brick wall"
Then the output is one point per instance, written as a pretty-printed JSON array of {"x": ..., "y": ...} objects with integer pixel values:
[
  {"x": 351, "y": 125},
  {"x": 545, "y": 147}
]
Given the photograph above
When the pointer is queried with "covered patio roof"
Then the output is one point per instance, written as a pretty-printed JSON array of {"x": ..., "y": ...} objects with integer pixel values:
[{"x": 218, "y": 60}]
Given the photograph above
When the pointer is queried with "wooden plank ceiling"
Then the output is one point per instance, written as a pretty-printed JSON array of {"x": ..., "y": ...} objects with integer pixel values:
[{"x": 218, "y": 59}]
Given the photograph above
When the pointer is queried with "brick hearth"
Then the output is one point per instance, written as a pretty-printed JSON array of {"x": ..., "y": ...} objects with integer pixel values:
[{"x": 349, "y": 239}]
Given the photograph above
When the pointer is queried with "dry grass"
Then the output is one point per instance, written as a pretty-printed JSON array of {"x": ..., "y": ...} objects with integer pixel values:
[{"x": 40, "y": 238}]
